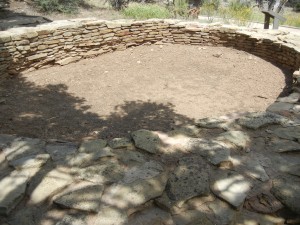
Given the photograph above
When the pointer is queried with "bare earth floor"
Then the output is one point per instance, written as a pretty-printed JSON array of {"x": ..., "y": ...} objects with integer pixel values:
[{"x": 151, "y": 87}]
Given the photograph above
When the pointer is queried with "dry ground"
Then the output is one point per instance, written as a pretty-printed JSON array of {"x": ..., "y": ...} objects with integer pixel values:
[{"x": 152, "y": 87}]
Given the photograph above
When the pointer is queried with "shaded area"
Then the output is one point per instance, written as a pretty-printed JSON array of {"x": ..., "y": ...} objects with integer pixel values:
[{"x": 51, "y": 112}]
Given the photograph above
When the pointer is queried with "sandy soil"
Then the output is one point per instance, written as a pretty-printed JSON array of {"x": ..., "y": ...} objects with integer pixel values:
[{"x": 152, "y": 87}]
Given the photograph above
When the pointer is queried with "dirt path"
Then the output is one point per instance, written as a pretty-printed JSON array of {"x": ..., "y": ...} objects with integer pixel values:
[{"x": 151, "y": 87}]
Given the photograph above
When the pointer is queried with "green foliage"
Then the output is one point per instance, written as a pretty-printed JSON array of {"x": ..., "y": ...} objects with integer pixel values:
[
  {"x": 118, "y": 4},
  {"x": 292, "y": 20},
  {"x": 210, "y": 8},
  {"x": 240, "y": 11},
  {"x": 180, "y": 8},
  {"x": 62, "y": 6},
  {"x": 297, "y": 7},
  {"x": 146, "y": 11}
]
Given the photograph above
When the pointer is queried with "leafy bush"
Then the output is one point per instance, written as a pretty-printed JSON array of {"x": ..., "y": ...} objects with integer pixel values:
[
  {"x": 210, "y": 8},
  {"x": 118, "y": 4},
  {"x": 180, "y": 8},
  {"x": 62, "y": 6},
  {"x": 146, "y": 11},
  {"x": 240, "y": 11},
  {"x": 297, "y": 7},
  {"x": 292, "y": 20}
]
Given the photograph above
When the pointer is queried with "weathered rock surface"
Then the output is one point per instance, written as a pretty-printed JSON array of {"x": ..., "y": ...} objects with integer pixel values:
[
  {"x": 250, "y": 218},
  {"x": 68, "y": 60},
  {"x": 287, "y": 190},
  {"x": 256, "y": 170},
  {"x": 120, "y": 143},
  {"x": 293, "y": 170},
  {"x": 86, "y": 198},
  {"x": 5, "y": 140},
  {"x": 221, "y": 123},
  {"x": 290, "y": 133},
  {"x": 22, "y": 147},
  {"x": 32, "y": 161},
  {"x": 111, "y": 216},
  {"x": 92, "y": 146},
  {"x": 279, "y": 145},
  {"x": 146, "y": 140},
  {"x": 278, "y": 107},
  {"x": 61, "y": 152},
  {"x": 223, "y": 212},
  {"x": 231, "y": 186},
  {"x": 13, "y": 189},
  {"x": 50, "y": 184},
  {"x": 214, "y": 151},
  {"x": 151, "y": 216},
  {"x": 146, "y": 171},
  {"x": 192, "y": 217},
  {"x": 104, "y": 172},
  {"x": 292, "y": 98},
  {"x": 238, "y": 138},
  {"x": 125, "y": 196},
  {"x": 190, "y": 179},
  {"x": 260, "y": 119},
  {"x": 72, "y": 220}
]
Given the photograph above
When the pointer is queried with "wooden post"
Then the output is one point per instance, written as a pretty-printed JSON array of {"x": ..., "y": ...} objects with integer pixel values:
[{"x": 267, "y": 21}]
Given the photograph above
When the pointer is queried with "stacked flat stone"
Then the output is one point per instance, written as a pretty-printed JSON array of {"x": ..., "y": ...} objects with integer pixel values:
[{"x": 63, "y": 42}]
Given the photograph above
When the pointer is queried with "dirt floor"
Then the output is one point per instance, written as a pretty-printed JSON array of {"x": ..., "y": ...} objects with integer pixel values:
[{"x": 152, "y": 87}]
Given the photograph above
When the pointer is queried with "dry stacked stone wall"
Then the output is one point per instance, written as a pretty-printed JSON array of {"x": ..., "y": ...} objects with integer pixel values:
[{"x": 63, "y": 42}]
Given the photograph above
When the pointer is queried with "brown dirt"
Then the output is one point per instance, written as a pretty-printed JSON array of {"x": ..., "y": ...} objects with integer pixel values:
[{"x": 152, "y": 87}]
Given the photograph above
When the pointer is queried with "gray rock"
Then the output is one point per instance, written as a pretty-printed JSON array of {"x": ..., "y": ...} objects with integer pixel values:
[
  {"x": 61, "y": 152},
  {"x": 86, "y": 198},
  {"x": 51, "y": 183},
  {"x": 223, "y": 212},
  {"x": 189, "y": 179},
  {"x": 22, "y": 147},
  {"x": 32, "y": 161},
  {"x": 293, "y": 170},
  {"x": 256, "y": 170},
  {"x": 151, "y": 216},
  {"x": 5, "y": 140},
  {"x": 24, "y": 217},
  {"x": 146, "y": 171},
  {"x": 231, "y": 186},
  {"x": 125, "y": 196},
  {"x": 260, "y": 119},
  {"x": 146, "y": 140},
  {"x": 68, "y": 60},
  {"x": 290, "y": 133},
  {"x": 278, "y": 107},
  {"x": 214, "y": 151},
  {"x": 72, "y": 220},
  {"x": 192, "y": 217},
  {"x": 292, "y": 98},
  {"x": 238, "y": 138},
  {"x": 129, "y": 157},
  {"x": 85, "y": 159},
  {"x": 13, "y": 189},
  {"x": 252, "y": 218},
  {"x": 221, "y": 123},
  {"x": 92, "y": 146},
  {"x": 279, "y": 145},
  {"x": 102, "y": 173},
  {"x": 287, "y": 190},
  {"x": 111, "y": 216},
  {"x": 120, "y": 143}
]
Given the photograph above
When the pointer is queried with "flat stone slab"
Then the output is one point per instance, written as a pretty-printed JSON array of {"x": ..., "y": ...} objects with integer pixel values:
[
  {"x": 111, "y": 216},
  {"x": 231, "y": 186},
  {"x": 72, "y": 220},
  {"x": 146, "y": 140},
  {"x": 61, "y": 152},
  {"x": 223, "y": 212},
  {"x": 211, "y": 123},
  {"x": 51, "y": 183},
  {"x": 13, "y": 188},
  {"x": 22, "y": 147},
  {"x": 290, "y": 133},
  {"x": 120, "y": 143},
  {"x": 92, "y": 146},
  {"x": 250, "y": 218},
  {"x": 214, "y": 151},
  {"x": 256, "y": 170},
  {"x": 238, "y": 138},
  {"x": 86, "y": 198},
  {"x": 278, "y": 107},
  {"x": 5, "y": 140},
  {"x": 146, "y": 171},
  {"x": 32, "y": 161},
  {"x": 102, "y": 173},
  {"x": 293, "y": 170},
  {"x": 287, "y": 190},
  {"x": 125, "y": 196},
  {"x": 150, "y": 216},
  {"x": 280, "y": 145},
  {"x": 292, "y": 98},
  {"x": 192, "y": 217},
  {"x": 260, "y": 119},
  {"x": 189, "y": 179}
]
